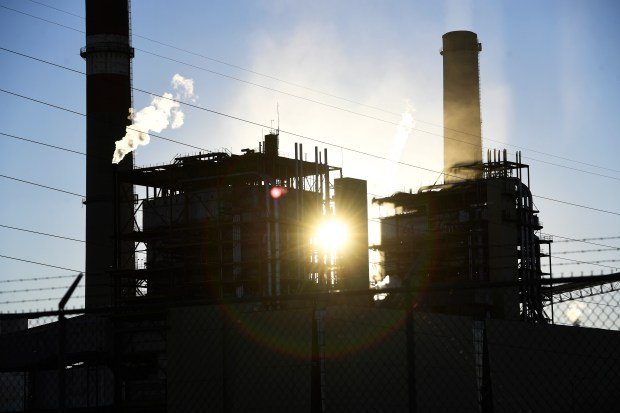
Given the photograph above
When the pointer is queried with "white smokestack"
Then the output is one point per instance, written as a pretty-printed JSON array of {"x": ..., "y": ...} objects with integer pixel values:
[{"x": 156, "y": 117}]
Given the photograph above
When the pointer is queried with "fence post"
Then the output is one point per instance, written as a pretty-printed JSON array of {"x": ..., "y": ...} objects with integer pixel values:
[
  {"x": 62, "y": 357},
  {"x": 410, "y": 334}
]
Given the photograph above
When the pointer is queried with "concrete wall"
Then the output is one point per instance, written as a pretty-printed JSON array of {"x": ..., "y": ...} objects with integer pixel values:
[
  {"x": 553, "y": 368},
  {"x": 239, "y": 359}
]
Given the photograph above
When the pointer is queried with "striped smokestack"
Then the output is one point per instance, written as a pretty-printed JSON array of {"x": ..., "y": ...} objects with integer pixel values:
[
  {"x": 108, "y": 54},
  {"x": 461, "y": 103}
]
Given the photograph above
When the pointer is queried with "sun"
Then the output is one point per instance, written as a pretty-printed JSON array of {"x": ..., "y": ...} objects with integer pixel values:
[{"x": 332, "y": 235}]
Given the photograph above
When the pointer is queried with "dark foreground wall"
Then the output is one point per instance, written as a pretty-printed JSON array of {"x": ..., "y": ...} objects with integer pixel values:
[
  {"x": 240, "y": 359},
  {"x": 553, "y": 368},
  {"x": 332, "y": 357}
]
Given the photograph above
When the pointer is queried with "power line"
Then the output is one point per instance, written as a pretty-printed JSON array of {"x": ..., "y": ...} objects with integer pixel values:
[
  {"x": 42, "y": 143},
  {"x": 324, "y": 142},
  {"x": 331, "y": 95},
  {"x": 356, "y": 150},
  {"x": 597, "y": 263},
  {"x": 41, "y": 186},
  {"x": 39, "y": 263},
  {"x": 569, "y": 239},
  {"x": 57, "y": 9},
  {"x": 314, "y": 101},
  {"x": 441, "y": 136},
  {"x": 42, "y": 19},
  {"x": 42, "y": 233},
  {"x": 393, "y": 123},
  {"x": 577, "y": 205},
  {"x": 42, "y": 102},
  {"x": 84, "y": 115}
]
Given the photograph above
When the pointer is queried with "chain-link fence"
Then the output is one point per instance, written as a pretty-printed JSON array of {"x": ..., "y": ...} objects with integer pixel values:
[{"x": 454, "y": 348}]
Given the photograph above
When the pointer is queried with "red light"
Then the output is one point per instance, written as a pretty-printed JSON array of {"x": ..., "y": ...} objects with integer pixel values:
[{"x": 277, "y": 191}]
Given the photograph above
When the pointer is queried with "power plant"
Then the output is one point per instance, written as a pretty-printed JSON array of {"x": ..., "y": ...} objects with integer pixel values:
[
  {"x": 481, "y": 224},
  {"x": 224, "y": 226},
  {"x": 214, "y": 282}
]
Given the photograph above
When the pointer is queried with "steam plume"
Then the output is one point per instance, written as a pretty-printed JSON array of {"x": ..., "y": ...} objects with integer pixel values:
[
  {"x": 405, "y": 126},
  {"x": 399, "y": 141},
  {"x": 161, "y": 113}
]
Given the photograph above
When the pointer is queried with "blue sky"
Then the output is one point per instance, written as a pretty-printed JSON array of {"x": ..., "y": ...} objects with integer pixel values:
[{"x": 550, "y": 83}]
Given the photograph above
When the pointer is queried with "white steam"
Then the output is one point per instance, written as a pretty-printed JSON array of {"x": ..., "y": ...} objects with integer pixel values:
[
  {"x": 405, "y": 126},
  {"x": 161, "y": 113},
  {"x": 399, "y": 141}
]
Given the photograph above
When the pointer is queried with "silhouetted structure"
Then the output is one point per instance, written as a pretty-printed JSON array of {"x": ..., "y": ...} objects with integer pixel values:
[
  {"x": 473, "y": 230},
  {"x": 481, "y": 225},
  {"x": 461, "y": 104},
  {"x": 108, "y": 54},
  {"x": 221, "y": 225}
]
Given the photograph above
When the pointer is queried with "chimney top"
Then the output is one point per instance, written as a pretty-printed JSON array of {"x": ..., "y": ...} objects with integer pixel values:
[{"x": 460, "y": 40}]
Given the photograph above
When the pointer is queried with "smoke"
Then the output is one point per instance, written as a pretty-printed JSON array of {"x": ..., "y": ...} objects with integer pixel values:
[
  {"x": 573, "y": 313},
  {"x": 399, "y": 141},
  {"x": 161, "y": 113},
  {"x": 405, "y": 126}
]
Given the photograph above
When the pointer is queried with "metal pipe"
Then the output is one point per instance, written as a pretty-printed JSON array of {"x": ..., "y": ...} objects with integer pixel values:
[
  {"x": 276, "y": 215},
  {"x": 268, "y": 232},
  {"x": 327, "y": 194}
]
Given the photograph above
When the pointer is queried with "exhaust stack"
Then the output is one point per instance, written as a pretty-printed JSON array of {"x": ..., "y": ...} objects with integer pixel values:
[
  {"x": 108, "y": 54},
  {"x": 461, "y": 104}
]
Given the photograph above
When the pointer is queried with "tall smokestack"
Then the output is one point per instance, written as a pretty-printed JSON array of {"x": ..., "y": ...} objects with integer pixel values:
[
  {"x": 461, "y": 103},
  {"x": 108, "y": 54}
]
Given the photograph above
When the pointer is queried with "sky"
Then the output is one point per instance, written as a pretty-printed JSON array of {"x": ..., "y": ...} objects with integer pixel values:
[{"x": 339, "y": 72}]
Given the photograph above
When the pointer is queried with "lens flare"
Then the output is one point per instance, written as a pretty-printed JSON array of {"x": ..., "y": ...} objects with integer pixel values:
[
  {"x": 332, "y": 235},
  {"x": 277, "y": 191}
]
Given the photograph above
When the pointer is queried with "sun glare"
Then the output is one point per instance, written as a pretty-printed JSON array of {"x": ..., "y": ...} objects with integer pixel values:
[{"x": 332, "y": 235}]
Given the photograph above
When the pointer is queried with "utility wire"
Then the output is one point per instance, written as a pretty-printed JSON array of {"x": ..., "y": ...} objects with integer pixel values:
[
  {"x": 327, "y": 94},
  {"x": 42, "y": 143},
  {"x": 321, "y": 103},
  {"x": 39, "y": 263},
  {"x": 324, "y": 142},
  {"x": 577, "y": 205},
  {"x": 585, "y": 262},
  {"x": 569, "y": 239},
  {"x": 41, "y": 186},
  {"x": 42, "y": 233},
  {"x": 57, "y": 9},
  {"x": 84, "y": 115},
  {"x": 317, "y": 102}
]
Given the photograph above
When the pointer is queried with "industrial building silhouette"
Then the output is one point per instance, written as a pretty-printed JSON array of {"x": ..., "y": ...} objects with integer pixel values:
[{"x": 235, "y": 307}]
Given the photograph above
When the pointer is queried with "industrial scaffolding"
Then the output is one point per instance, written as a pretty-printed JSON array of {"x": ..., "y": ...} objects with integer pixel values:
[
  {"x": 482, "y": 230},
  {"x": 222, "y": 225}
]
